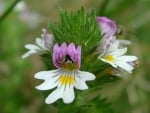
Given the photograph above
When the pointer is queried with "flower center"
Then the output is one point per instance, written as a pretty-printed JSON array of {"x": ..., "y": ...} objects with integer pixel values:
[
  {"x": 109, "y": 58},
  {"x": 69, "y": 64},
  {"x": 66, "y": 79}
]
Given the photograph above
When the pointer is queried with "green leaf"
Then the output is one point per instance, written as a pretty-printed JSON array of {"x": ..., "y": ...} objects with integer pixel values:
[{"x": 79, "y": 27}]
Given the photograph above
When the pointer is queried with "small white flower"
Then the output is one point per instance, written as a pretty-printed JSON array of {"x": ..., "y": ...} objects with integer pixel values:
[
  {"x": 68, "y": 60},
  {"x": 42, "y": 45},
  {"x": 115, "y": 57}
]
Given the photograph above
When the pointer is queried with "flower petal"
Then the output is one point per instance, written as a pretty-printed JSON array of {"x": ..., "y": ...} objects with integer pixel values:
[
  {"x": 48, "y": 84},
  {"x": 48, "y": 38},
  {"x": 80, "y": 84},
  {"x": 55, "y": 95},
  {"x": 108, "y": 26},
  {"x": 50, "y": 78},
  {"x": 29, "y": 53},
  {"x": 81, "y": 77},
  {"x": 40, "y": 43},
  {"x": 106, "y": 43},
  {"x": 127, "y": 58},
  {"x": 114, "y": 46},
  {"x": 119, "y": 52},
  {"x": 63, "y": 50},
  {"x": 31, "y": 47},
  {"x": 86, "y": 76},
  {"x": 44, "y": 75},
  {"x": 59, "y": 54},
  {"x": 77, "y": 56},
  {"x": 111, "y": 63},
  {"x": 68, "y": 94},
  {"x": 55, "y": 54},
  {"x": 125, "y": 42},
  {"x": 71, "y": 50},
  {"x": 125, "y": 66}
]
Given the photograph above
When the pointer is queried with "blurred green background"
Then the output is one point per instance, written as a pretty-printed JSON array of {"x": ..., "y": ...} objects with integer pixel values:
[{"x": 23, "y": 24}]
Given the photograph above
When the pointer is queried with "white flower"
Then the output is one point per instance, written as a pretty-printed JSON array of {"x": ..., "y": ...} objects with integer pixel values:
[
  {"x": 68, "y": 60},
  {"x": 42, "y": 45},
  {"x": 115, "y": 57}
]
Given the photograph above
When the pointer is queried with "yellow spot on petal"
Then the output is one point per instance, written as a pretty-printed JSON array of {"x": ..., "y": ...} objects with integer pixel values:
[
  {"x": 66, "y": 79},
  {"x": 109, "y": 58}
]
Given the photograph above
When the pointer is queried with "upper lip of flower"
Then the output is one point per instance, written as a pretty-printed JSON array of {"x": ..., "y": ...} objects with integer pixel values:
[
  {"x": 65, "y": 55},
  {"x": 108, "y": 26}
]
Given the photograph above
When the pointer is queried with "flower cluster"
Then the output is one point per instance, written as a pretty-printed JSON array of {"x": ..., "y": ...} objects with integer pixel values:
[{"x": 66, "y": 58}]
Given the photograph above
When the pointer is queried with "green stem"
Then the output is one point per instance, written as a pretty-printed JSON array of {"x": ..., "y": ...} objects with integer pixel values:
[
  {"x": 5, "y": 14},
  {"x": 101, "y": 11}
]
